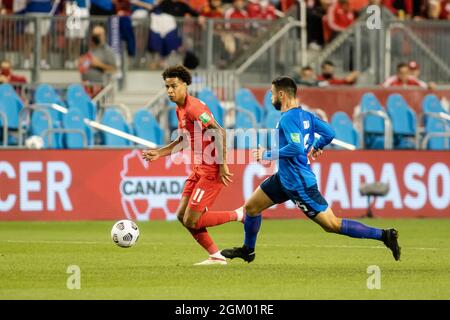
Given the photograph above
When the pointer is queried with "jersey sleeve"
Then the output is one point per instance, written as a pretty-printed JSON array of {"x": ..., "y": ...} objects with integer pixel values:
[
  {"x": 201, "y": 113},
  {"x": 293, "y": 134},
  {"x": 325, "y": 131}
]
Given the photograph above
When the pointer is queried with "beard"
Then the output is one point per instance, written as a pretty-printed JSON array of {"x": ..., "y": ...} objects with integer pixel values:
[{"x": 277, "y": 104}]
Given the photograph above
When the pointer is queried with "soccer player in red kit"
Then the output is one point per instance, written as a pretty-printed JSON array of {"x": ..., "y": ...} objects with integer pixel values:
[{"x": 209, "y": 174}]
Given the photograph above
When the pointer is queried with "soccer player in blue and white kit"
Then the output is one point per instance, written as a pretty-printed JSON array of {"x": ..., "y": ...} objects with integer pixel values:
[{"x": 295, "y": 181}]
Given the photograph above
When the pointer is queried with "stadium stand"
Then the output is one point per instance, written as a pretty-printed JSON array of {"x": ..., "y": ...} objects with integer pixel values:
[
  {"x": 208, "y": 97},
  {"x": 42, "y": 120},
  {"x": 78, "y": 98},
  {"x": 246, "y": 100},
  {"x": 403, "y": 122},
  {"x": 146, "y": 127},
  {"x": 114, "y": 119},
  {"x": 438, "y": 126},
  {"x": 344, "y": 129},
  {"x": 373, "y": 125},
  {"x": 73, "y": 120}
]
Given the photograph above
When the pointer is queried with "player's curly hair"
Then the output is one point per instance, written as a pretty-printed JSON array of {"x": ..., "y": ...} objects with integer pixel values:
[
  {"x": 179, "y": 72},
  {"x": 287, "y": 84}
]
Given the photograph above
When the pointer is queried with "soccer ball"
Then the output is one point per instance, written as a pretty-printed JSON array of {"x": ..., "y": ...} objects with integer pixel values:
[
  {"x": 125, "y": 233},
  {"x": 34, "y": 142}
]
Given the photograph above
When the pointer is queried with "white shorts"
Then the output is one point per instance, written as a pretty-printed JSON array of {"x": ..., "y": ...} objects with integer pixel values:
[
  {"x": 77, "y": 26},
  {"x": 44, "y": 23}
]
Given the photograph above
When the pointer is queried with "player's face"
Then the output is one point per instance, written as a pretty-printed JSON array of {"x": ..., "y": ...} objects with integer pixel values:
[
  {"x": 276, "y": 101},
  {"x": 176, "y": 90},
  {"x": 403, "y": 73}
]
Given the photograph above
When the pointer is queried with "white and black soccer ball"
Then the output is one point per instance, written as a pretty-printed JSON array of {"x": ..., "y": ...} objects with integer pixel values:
[
  {"x": 34, "y": 142},
  {"x": 125, "y": 233}
]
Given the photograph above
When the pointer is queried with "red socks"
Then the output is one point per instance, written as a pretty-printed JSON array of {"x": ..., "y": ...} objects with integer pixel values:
[
  {"x": 215, "y": 218},
  {"x": 203, "y": 238}
]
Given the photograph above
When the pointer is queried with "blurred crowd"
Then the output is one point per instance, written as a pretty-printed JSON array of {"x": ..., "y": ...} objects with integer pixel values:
[{"x": 326, "y": 18}]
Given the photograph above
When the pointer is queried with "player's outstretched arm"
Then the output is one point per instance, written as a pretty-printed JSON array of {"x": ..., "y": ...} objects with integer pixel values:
[
  {"x": 221, "y": 147},
  {"x": 326, "y": 133},
  {"x": 154, "y": 154}
]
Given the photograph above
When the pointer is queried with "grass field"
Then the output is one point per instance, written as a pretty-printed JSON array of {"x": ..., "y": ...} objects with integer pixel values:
[{"x": 295, "y": 260}]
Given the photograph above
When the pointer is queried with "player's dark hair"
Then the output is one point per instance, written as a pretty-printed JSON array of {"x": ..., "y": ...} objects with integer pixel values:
[
  {"x": 402, "y": 65},
  {"x": 327, "y": 63},
  {"x": 179, "y": 72},
  {"x": 286, "y": 84},
  {"x": 307, "y": 68}
]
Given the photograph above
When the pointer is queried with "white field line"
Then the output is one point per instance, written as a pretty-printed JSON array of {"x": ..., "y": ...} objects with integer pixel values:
[{"x": 260, "y": 245}]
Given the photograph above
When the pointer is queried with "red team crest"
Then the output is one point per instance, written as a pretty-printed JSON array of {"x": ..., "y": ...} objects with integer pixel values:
[{"x": 147, "y": 191}]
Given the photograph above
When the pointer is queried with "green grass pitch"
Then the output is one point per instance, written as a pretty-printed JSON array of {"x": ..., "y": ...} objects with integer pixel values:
[{"x": 295, "y": 260}]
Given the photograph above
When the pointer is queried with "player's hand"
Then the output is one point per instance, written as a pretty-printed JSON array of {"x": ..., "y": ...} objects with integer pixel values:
[
  {"x": 314, "y": 153},
  {"x": 225, "y": 174},
  {"x": 151, "y": 155},
  {"x": 258, "y": 153}
]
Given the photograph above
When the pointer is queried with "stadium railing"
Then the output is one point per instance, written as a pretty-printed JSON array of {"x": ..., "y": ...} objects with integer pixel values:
[
  {"x": 374, "y": 52},
  {"x": 5, "y": 128}
]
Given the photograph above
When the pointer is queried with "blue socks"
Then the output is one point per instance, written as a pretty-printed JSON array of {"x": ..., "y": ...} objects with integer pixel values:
[
  {"x": 356, "y": 229},
  {"x": 251, "y": 227}
]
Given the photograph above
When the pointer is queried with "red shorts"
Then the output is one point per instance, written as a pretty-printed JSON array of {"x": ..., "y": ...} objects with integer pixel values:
[{"x": 202, "y": 190}]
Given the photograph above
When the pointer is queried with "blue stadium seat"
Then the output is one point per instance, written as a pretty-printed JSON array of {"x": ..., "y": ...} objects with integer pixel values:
[
  {"x": 271, "y": 119},
  {"x": 246, "y": 100},
  {"x": 436, "y": 125},
  {"x": 78, "y": 98},
  {"x": 74, "y": 120},
  {"x": 208, "y": 97},
  {"x": 268, "y": 102},
  {"x": 115, "y": 119},
  {"x": 431, "y": 103},
  {"x": 373, "y": 125},
  {"x": 10, "y": 104},
  {"x": 173, "y": 119},
  {"x": 40, "y": 123},
  {"x": 243, "y": 121},
  {"x": 146, "y": 127},
  {"x": 344, "y": 129},
  {"x": 403, "y": 122}
]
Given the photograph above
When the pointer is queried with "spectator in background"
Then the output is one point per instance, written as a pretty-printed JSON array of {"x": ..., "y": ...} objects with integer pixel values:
[
  {"x": 414, "y": 71},
  {"x": 445, "y": 10},
  {"x": 41, "y": 9},
  {"x": 403, "y": 78},
  {"x": 314, "y": 18},
  {"x": 237, "y": 33},
  {"x": 98, "y": 65},
  {"x": 403, "y": 9},
  {"x": 307, "y": 78},
  {"x": 261, "y": 9},
  {"x": 77, "y": 25},
  {"x": 102, "y": 8},
  {"x": 177, "y": 8},
  {"x": 8, "y": 76},
  {"x": 213, "y": 9},
  {"x": 164, "y": 39},
  {"x": 328, "y": 78},
  {"x": 339, "y": 17},
  {"x": 123, "y": 11}
]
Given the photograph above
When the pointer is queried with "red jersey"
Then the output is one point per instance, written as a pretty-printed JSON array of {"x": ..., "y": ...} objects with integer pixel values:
[
  {"x": 208, "y": 12},
  {"x": 394, "y": 81},
  {"x": 256, "y": 11},
  {"x": 338, "y": 18},
  {"x": 333, "y": 81},
  {"x": 445, "y": 10},
  {"x": 193, "y": 119},
  {"x": 233, "y": 13}
]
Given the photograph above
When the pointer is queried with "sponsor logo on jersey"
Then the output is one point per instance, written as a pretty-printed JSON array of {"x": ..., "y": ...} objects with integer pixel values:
[
  {"x": 306, "y": 124},
  {"x": 295, "y": 137},
  {"x": 205, "y": 118}
]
